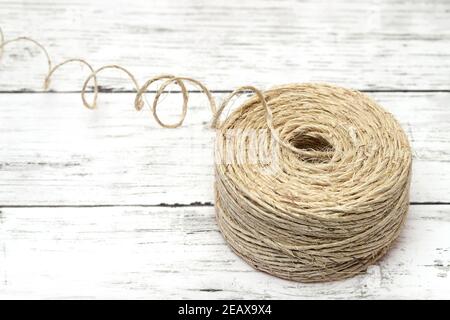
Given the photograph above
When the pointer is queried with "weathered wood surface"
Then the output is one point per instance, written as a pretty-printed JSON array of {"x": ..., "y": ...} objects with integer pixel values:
[
  {"x": 56, "y": 152},
  {"x": 105, "y": 204},
  {"x": 382, "y": 44},
  {"x": 135, "y": 252}
]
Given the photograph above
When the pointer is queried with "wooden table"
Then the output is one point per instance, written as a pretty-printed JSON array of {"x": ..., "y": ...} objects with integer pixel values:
[{"x": 106, "y": 204}]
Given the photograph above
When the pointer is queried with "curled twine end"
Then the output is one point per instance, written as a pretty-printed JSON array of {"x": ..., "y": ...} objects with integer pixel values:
[
  {"x": 85, "y": 103},
  {"x": 88, "y": 105},
  {"x": 91, "y": 106},
  {"x": 214, "y": 123},
  {"x": 139, "y": 103},
  {"x": 47, "y": 82},
  {"x": 140, "y": 100}
]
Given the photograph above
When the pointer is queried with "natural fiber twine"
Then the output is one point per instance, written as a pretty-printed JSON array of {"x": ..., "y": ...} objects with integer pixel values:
[
  {"x": 337, "y": 200},
  {"x": 323, "y": 190}
]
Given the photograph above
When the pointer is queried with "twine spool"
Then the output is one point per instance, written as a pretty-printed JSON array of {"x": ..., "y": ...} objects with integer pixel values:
[
  {"x": 332, "y": 195},
  {"x": 336, "y": 198}
]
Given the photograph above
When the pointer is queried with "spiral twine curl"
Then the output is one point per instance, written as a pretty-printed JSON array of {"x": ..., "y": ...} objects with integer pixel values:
[{"x": 332, "y": 195}]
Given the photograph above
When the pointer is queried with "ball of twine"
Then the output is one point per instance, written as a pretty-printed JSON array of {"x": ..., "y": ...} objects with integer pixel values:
[
  {"x": 312, "y": 180},
  {"x": 332, "y": 197}
]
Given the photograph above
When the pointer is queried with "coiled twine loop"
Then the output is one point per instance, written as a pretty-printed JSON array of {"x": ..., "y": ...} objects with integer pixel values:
[{"x": 326, "y": 211}]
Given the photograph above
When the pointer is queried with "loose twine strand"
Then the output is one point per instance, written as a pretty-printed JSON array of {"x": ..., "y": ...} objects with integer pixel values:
[{"x": 331, "y": 198}]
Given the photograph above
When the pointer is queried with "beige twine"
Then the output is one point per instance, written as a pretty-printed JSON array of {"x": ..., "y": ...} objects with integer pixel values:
[{"x": 329, "y": 200}]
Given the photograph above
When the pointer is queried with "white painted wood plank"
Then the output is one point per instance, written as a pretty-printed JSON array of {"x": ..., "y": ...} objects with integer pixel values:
[
  {"x": 135, "y": 252},
  {"x": 370, "y": 44},
  {"x": 55, "y": 152}
]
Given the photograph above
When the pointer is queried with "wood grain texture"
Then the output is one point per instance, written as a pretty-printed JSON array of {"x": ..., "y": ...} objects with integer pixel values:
[
  {"x": 56, "y": 152},
  {"x": 179, "y": 253},
  {"x": 105, "y": 204},
  {"x": 377, "y": 44}
]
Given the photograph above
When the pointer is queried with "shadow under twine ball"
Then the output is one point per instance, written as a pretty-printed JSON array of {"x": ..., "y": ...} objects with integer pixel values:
[{"x": 323, "y": 194}]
